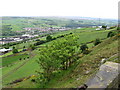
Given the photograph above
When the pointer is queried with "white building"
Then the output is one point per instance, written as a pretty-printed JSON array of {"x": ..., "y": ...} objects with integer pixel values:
[{"x": 4, "y": 50}]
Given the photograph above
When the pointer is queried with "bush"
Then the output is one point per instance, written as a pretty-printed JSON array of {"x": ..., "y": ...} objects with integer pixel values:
[
  {"x": 86, "y": 52},
  {"x": 97, "y": 41},
  {"x": 6, "y": 47},
  {"x": 32, "y": 47},
  {"x": 118, "y": 28},
  {"x": 15, "y": 51},
  {"x": 83, "y": 47},
  {"x": 39, "y": 42},
  {"x": 112, "y": 27},
  {"x": 110, "y": 34},
  {"x": 48, "y": 38},
  {"x": 20, "y": 59},
  {"x": 33, "y": 80},
  {"x": 104, "y": 27}
]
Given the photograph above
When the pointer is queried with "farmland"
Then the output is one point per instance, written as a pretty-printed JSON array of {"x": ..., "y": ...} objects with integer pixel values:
[
  {"x": 56, "y": 60},
  {"x": 31, "y": 66}
]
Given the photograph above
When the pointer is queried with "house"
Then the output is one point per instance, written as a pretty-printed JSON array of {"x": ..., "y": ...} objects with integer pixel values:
[
  {"x": 99, "y": 28},
  {"x": 3, "y": 51},
  {"x": 17, "y": 39}
]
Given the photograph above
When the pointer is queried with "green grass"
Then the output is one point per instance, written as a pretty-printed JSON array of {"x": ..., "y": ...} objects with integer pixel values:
[
  {"x": 5, "y": 70},
  {"x": 90, "y": 62},
  {"x": 91, "y": 36},
  {"x": 11, "y": 59},
  {"x": 66, "y": 78},
  {"x": 28, "y": 69}
]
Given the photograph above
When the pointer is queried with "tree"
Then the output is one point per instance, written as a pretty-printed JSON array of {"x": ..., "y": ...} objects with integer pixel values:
[
  {"x": 112, "y": 27},
  {"x": 6, "y": 47},
  {"x": 39, "y": 42},
  {"x": 20, "y": 59},
  {"x": 13, "y": 47},
  {"x": 105, "y": 27},
  {"x": 118, "y": 28},
  {"x": 48, "y": 38},
  {"x": 23, "y": 47},
  {"x": 31, "y": 47},
  {"x": 57, "y": 56},
  {"x": 110, "y": 34},
  {"x": 15, "y": 50},
  {"x": 83, "y": 47},
  {"x": 97, "y": 41}
]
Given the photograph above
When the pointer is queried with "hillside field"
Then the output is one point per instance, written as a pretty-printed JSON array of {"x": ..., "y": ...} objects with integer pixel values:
[{"x": 13, "y": 68}]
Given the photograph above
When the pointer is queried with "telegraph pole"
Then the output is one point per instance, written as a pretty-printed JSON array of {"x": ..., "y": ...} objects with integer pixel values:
[{"x": 99, "y": 21}]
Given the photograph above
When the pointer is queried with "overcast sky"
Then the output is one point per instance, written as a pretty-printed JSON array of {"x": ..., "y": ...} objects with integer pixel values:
[{"x": 85, "y": 8}]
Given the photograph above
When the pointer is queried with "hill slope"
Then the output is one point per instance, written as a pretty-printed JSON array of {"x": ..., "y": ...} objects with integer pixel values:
[
  {"x": 83, "y": 69},
  {"x": 87, "y": 65}
]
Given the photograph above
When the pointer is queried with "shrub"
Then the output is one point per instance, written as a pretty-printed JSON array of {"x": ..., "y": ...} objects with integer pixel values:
[
  {"x": 48, "y": 38},
  {"x": 39, "y": 42},
  {"x": 86, "y": 52},
  {"x": 112, "y": 27},
  {"x": 33, "y": 80},
  {"x": 31, "y": 47},
  {"x": 20, "y": 59},
  {"x": 118, "y": 28},
  {"x": 104, "y": 27},
  {"x": 110, "y": 34},
  {"x": 15, "y": 51},
  {"x": 97, "y": 41},
  {"x": 83, "y": 47}
]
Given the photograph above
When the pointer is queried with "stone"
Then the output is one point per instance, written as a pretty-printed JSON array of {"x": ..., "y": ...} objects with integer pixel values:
[{"x": 106, "y": 77}]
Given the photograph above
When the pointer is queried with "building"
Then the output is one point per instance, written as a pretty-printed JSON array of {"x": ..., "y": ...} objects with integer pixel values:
[{"x": 3, "y": 51}]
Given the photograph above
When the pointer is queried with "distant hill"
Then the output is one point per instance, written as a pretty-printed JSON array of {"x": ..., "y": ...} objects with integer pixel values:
[
  {"x": 18, "y": 23},
  {"x": 14, "y": 25}
]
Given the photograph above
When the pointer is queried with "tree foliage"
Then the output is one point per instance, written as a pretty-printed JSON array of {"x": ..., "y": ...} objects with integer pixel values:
[{"x": 57, "y": 56}]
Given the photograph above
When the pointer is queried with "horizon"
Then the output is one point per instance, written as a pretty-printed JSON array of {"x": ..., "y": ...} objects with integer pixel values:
[{"x": 66, "y": 17}]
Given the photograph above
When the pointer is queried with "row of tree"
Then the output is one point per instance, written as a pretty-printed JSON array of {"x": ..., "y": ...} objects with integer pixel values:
[{"x": 57, "y": 56}]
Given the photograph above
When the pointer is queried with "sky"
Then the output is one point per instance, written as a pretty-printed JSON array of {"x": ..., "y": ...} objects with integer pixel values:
[{"x": 84, "y": 8}]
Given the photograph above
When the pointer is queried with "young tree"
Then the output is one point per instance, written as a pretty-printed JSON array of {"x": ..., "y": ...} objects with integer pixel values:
[{"x": 97, "y": 41}]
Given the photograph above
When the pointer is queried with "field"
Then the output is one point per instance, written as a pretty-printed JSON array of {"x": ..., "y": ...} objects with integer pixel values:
[
  {"x": 14, "y": 68},
  {"x": 18, "y": 23}
]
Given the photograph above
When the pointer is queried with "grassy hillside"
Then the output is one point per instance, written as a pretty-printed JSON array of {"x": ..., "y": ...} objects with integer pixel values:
[
  {"x": 75, "y": 75},
  {"x": 86, "y": 66},
  {"x": 18, "y": 23}
]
